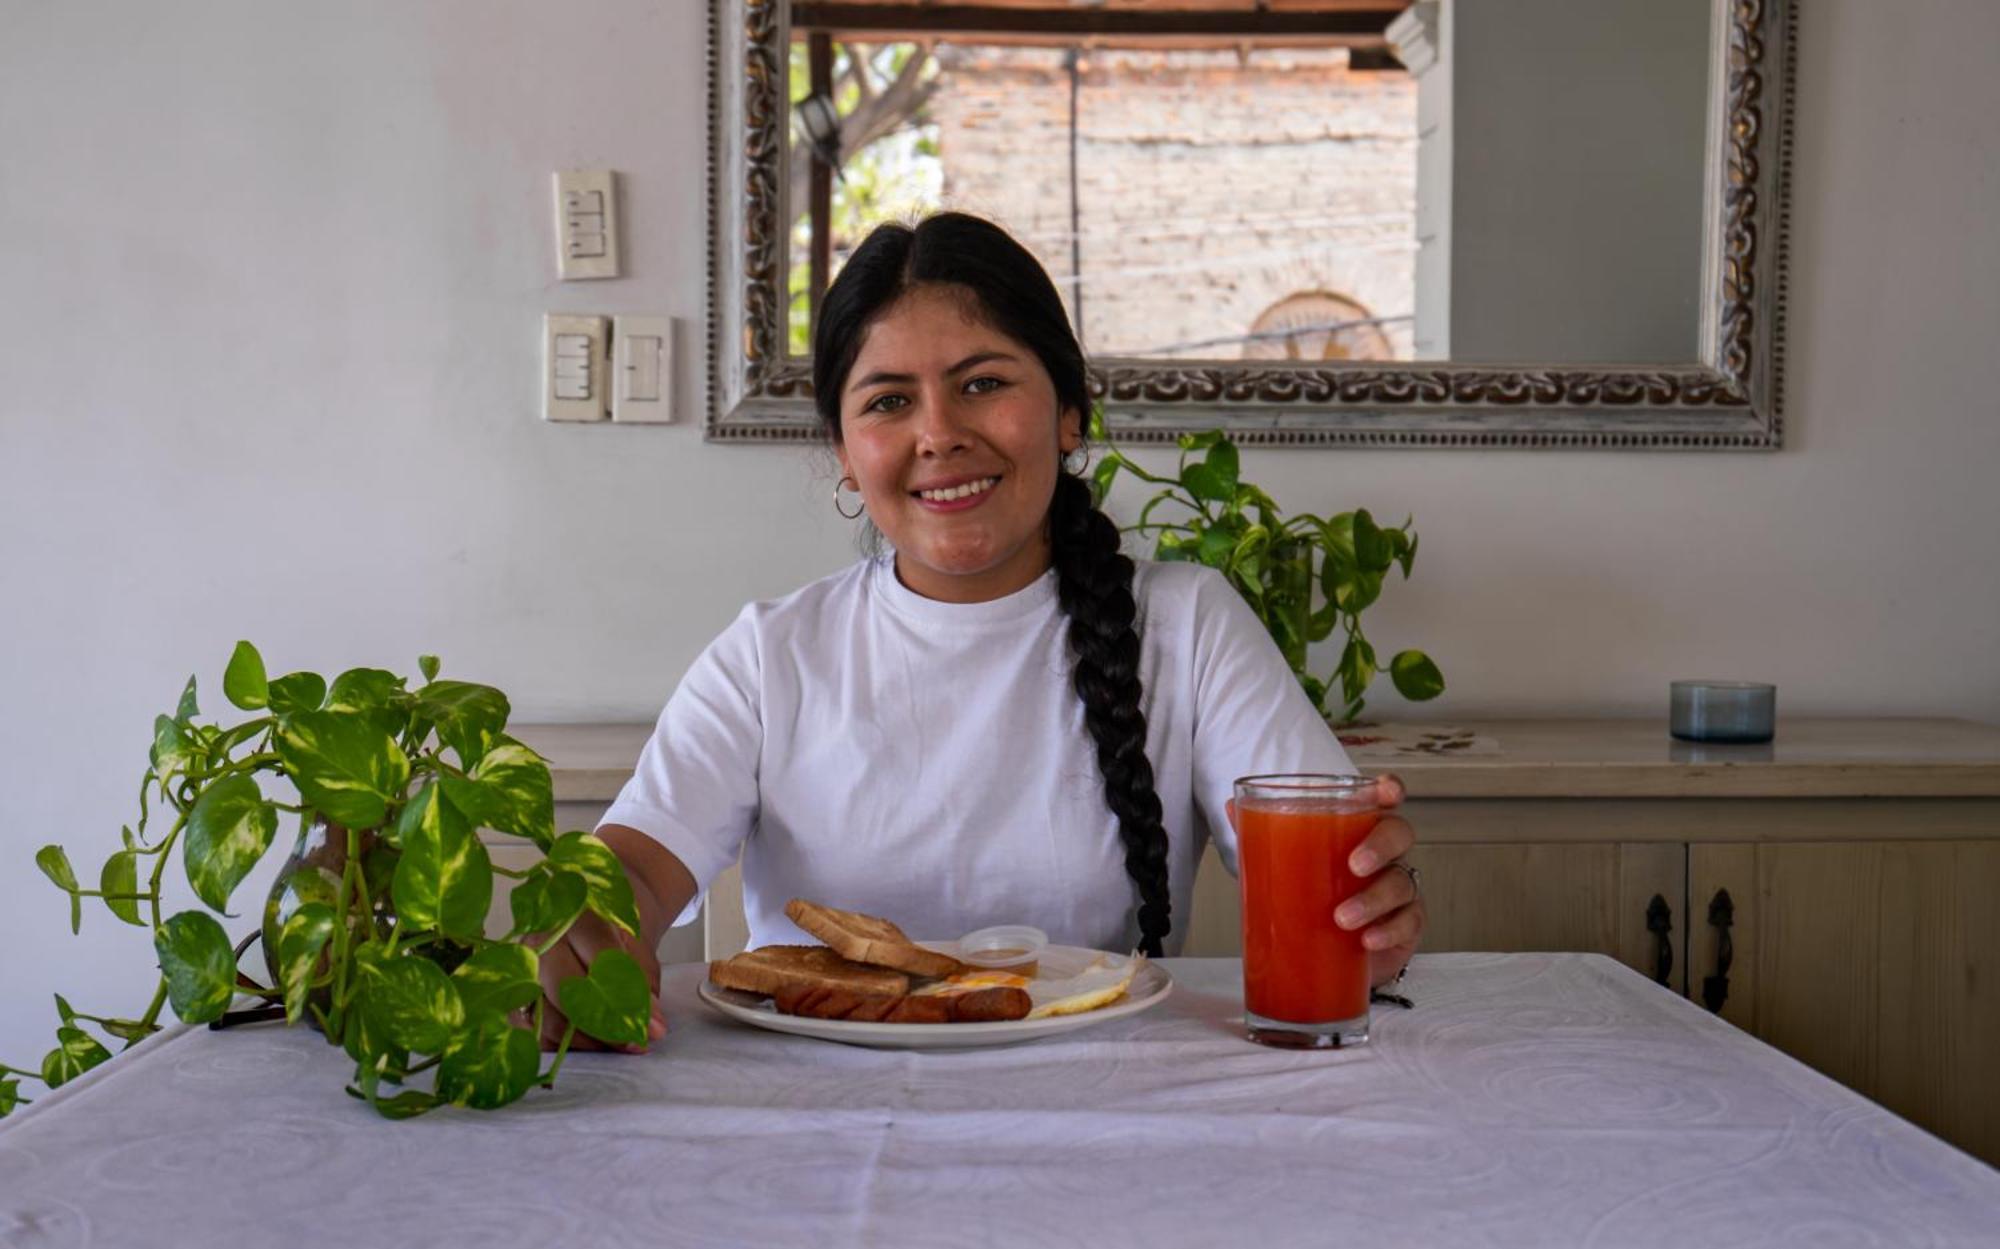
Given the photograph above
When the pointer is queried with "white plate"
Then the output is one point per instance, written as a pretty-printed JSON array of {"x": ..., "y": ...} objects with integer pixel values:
[{"x": 1149, "y": 988}]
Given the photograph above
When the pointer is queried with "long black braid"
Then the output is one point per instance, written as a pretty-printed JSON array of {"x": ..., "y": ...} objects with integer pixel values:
[{"x": 1093, "y": 578}]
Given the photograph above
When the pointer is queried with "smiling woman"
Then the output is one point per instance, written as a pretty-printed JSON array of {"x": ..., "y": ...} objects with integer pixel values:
[
  {"x": 954, "y": 441},
  {"x": 1003, "y": 720}
]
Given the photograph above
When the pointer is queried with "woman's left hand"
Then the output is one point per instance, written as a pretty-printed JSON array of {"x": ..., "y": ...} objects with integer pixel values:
[{"x": 1388, "y": 910}]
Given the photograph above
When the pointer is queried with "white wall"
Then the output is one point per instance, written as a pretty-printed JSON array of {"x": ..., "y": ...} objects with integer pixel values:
[{"x": 270, "y": 287}]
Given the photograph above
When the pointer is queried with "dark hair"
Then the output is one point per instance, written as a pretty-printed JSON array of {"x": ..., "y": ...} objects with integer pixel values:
[{"x": 1093, "y": 578}]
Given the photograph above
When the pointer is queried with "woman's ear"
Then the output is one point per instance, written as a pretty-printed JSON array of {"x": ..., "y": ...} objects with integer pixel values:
[{"x": 1069, "y": 430}]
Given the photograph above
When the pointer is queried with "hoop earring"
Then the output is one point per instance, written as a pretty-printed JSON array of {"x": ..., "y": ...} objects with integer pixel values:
[
  {"x": 1074, "y": 462},
  {"x": 837, "y": 488}
]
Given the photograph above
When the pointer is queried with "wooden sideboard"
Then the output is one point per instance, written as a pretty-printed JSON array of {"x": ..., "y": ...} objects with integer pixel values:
[{"x": 1859, "y": 859}]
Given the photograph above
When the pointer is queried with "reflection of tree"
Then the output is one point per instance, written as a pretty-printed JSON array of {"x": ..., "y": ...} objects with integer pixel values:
[{"x": 878, "y": 90}]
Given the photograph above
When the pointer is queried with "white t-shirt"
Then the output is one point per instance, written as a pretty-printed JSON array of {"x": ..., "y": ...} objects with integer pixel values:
[{"x": 868, "y": 748}]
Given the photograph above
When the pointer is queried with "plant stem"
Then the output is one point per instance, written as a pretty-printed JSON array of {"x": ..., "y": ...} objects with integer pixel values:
[
  {"x": 562, "y": 1052},
  {"x": 152, "y": 1016},
  {"x": 343, "y": 929}
]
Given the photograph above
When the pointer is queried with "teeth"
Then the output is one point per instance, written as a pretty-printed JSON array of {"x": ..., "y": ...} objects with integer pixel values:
[{"x": 959, "y": 492}]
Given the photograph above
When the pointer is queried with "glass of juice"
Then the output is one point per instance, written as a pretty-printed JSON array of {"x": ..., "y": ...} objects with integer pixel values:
[{"x": 1305, "y": 978}]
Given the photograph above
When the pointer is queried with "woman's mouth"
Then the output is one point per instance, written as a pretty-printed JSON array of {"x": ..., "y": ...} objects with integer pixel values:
[{"x": 958, "y": 497}]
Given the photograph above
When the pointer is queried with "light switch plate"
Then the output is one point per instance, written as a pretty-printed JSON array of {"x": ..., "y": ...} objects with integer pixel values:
[
  {"x": 642, "y": 370},
  {"x": 576, "y": 368},
  {"x": 586, "y": 224}
]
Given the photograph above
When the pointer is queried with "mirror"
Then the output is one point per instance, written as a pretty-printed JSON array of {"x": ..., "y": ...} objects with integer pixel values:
[{"x": 1325, "y": 222}]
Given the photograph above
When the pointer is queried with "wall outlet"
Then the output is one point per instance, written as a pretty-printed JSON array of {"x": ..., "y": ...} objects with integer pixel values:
[
  {"x": 642, "y": 370},
  {"x": 586, "y": 224},
  {"x": 576, "y": 371}
]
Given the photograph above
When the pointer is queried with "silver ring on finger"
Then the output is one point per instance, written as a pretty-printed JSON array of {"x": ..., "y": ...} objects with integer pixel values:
[{"x": 1416, "y": 877}]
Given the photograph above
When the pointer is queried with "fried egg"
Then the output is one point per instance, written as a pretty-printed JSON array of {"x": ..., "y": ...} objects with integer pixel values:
[{"x": 1100, "y": 982}]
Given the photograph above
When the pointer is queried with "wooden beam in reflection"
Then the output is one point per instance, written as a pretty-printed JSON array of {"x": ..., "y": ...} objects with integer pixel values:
[{"x": 1345, "y": 26}]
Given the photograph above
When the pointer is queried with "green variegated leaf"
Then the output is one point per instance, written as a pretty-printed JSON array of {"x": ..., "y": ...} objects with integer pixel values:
[
  {"x": 1197, "y": 442},
  {"x": 364, "y": 1037},
  {"x": 297, "y": 691},
  {"x": 428, "y": 665},
  {"x": 1203, "y": 483},
  {"x": 10, "y": 1097},
  {"x": 55, "y": 865},
  {"x": 345, "y": 766},
  {"x": 229, "y": 829},
  {"x": 305, "y": 934},
  {"x": 548, "y": 900},
  {"x": 173, "y": 747},
  {"x": 612, "y": 1003},
  {"x": 509, "y": 791},
  {"x": 414, "y": 1002},
  {"x": 445, "y": 878},
  {"x": 64, "y": 1010},
  {"x": 407, "y": 1104},
  {"x": 610, "y": 891},
  {"x": 121, "y": 876},
  {"x": 188, "y": 708},
  {"x": 128, "y": 1030},
  {"x": 468, "y": 717},
  {"x": 491, "y": 1064},
  {"x": 1222, "y": 460},
  {"x": 1416, "y": 677},
  {"x": 243, "y": 681},
  {"x": 1372, "y": 550},
  {"x": 371, "y": 692},
  {"x": 497, "y": 979},
  {"x": 76, "y": 1052},
  {"x": 199, "y": 964},
  {"x": 1101, "y": 478}
]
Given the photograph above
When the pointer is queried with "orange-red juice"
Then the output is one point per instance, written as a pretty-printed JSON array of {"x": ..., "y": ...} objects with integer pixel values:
[{"x": 1298, "y": 965}]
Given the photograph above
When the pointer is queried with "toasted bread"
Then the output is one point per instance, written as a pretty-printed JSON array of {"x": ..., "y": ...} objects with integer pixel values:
[
  {"x": 867, "y": 939},
  {"x": 979, "y": 1006},
  {"x": 777, "y": 969}
]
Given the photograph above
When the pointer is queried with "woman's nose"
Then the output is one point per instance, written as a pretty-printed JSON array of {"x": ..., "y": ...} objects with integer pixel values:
[{"x": 941, "y": 426}]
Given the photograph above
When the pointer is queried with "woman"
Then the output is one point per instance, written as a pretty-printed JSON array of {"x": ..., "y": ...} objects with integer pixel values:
[{"x": 1003, "y": 721}]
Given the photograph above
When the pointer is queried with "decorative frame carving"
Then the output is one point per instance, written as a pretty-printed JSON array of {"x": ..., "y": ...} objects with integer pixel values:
[{"x": 1731, "y": 401}]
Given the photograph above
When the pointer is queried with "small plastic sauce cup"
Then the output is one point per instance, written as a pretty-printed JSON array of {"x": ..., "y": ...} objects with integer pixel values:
[{"x": 1014, "y": 948}]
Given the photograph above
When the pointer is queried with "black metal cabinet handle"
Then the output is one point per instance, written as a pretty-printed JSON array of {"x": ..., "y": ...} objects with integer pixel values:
[
  {"x": 1660, "y": 922},
  {"x": 1721, "y": 914}
]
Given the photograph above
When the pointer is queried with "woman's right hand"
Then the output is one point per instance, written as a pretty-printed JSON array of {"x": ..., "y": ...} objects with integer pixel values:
[
  {"x": 589, "y": 936},
  {"x": 662, "y": 887}
]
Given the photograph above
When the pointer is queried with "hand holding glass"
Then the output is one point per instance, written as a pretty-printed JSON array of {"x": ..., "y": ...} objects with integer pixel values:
[{"x": 1305, "y": 978}]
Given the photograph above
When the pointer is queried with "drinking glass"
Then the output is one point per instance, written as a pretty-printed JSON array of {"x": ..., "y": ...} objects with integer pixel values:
[{"x": 1305, "y": 978}]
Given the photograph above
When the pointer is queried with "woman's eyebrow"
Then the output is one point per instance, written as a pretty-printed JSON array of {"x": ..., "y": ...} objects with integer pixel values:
[{"x": 879, "y": 377}]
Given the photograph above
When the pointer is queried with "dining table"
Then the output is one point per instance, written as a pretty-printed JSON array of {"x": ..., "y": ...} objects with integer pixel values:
[{"x": 1521, "y": 1099}]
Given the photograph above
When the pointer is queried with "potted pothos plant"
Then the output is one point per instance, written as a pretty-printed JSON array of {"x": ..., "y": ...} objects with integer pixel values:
[
  {"x": 1304, "y": 575},
  {"x": 376, "y": 931}
]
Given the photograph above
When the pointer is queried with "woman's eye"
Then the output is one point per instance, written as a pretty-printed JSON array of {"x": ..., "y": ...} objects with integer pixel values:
[
  {"x": 985, "y": 385},
  {"x": 884, "y": 403}
]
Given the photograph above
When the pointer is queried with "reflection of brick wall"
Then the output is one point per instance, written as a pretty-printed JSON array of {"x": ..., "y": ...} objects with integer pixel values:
[{"x": 1210, "y": 187}]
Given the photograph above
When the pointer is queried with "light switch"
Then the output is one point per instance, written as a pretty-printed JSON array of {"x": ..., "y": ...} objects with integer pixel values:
[
  {"x": 642, "y": 357},
  {"x": 575, "y": 380},
  {"x": 586, "y": 224}
]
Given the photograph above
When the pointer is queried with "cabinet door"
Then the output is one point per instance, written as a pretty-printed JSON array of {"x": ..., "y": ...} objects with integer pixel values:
[
  {"x": 1878, "y": 963},
  {"x": 1593, "y": 897}
]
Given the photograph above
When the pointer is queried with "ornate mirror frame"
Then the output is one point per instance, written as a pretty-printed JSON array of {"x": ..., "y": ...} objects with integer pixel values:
[{"x": 1730, "y": 400}]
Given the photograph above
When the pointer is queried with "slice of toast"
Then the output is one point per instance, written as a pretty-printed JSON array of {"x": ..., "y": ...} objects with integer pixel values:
[
  {"x": 868, "y": 939},
  {"x": 777, "y": 969}
]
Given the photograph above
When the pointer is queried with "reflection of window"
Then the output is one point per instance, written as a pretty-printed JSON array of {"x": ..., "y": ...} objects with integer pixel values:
[{"x": 1314, "y": 325}]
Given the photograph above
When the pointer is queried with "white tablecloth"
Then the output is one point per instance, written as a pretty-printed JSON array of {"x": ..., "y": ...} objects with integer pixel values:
[{"x": 1528, "y": 1100}]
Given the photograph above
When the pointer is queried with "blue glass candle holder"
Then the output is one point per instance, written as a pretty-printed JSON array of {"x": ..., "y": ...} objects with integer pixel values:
[{"x": 1723, "y": 711}]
